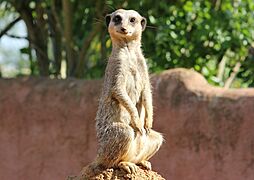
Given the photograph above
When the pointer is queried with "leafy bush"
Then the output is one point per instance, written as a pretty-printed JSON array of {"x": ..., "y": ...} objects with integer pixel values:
[{"x": 211, "y": 38}]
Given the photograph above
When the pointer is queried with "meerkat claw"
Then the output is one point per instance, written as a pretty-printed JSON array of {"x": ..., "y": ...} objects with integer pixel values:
[
  {"x": 147, "y": 130},
  {"x": 128, "y": 167},
  {"x": 142, "y": 131},
  {"x": 146, "y": 164}
]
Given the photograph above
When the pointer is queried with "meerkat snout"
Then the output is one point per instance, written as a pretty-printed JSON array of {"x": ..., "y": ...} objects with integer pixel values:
[
  {"x": 125, "y": 23},
  {"x": 124, "y": 30}
]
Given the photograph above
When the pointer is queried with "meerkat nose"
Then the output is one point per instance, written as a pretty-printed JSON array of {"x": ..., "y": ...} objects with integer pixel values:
[{"x": 123, "y": 29}]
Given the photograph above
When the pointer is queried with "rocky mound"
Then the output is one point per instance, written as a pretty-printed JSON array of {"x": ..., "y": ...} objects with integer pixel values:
[{"x": 117, "y": 174}]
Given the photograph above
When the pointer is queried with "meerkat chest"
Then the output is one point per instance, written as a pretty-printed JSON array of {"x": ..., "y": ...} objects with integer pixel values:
[
  {"x": 131, "y": 64},
  {"x": 133, "y": 72}
]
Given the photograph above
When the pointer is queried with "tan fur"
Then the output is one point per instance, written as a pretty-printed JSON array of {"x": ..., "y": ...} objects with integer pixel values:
[{"x": 125, "y": 114}]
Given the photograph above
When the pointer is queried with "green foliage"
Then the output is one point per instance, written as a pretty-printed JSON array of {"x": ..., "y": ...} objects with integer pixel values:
[
  {"x": 214, "y": 38},
  {"x": 198, "y": 34}
]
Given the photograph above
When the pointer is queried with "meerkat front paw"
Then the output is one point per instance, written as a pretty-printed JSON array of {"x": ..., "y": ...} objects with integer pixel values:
[
  {"x": 146, "y": 164},
  {"x": 136, "y": 125},
  {"x": 148, "y": 126},
  {"x": 147, "y": 130},
  {"x": 140, "y": 130},
  {"x": 128, "y": 167}
]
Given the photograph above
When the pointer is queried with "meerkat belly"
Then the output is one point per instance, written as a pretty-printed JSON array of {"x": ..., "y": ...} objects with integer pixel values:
[{"x": 133, "y": 87}]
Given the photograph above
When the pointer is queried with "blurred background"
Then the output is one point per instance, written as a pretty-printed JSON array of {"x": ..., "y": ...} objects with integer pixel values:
[
  {"x": 47, "y": 127},
  {"x": 68, "y": 38}
]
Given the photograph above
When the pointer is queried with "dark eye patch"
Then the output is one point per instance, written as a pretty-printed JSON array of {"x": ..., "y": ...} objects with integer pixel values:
[
  {"x": 117, "y": 19},
  {"x": 132, "y": 19}
]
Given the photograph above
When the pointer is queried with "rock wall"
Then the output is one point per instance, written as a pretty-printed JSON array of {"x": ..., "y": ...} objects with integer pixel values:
[{"x": 47, "y": 128}]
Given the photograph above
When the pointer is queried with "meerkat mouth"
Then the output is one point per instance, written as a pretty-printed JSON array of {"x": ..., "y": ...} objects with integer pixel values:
[{"x": 125, "y": 33}]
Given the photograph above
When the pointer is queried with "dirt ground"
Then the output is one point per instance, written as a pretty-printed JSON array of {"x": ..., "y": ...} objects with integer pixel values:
[{"x": 117, "y": 174}]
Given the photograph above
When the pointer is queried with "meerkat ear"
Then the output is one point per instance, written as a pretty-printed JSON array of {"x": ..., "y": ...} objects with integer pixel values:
[
  {"x": 143, "y": 23},
  {"x": 107, "y": 19}
]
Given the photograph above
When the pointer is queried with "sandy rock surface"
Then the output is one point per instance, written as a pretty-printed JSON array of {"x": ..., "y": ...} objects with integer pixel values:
[{"x": 116, "y": 174}]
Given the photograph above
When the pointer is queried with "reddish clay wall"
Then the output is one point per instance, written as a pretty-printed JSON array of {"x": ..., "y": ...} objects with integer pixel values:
[{"x": 47, "y": 128}]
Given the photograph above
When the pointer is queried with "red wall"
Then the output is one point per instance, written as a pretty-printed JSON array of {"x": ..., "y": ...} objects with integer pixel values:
[{"x": 47, "y": 128}]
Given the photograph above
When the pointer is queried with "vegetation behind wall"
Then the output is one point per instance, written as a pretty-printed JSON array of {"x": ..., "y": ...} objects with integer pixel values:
[{"x": 70, "y": 39}]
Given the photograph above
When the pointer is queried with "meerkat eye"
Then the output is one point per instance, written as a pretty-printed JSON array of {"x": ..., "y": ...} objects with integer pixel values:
[
  {"x": 117, "y": 19},
  {"x": 133, "y": 20}
]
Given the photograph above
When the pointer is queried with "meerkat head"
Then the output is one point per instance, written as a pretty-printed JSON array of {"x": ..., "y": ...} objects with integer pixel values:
[{"x": 127, "y": 24}]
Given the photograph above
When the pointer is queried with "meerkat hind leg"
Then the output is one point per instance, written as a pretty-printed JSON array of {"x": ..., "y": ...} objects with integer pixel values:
[
  {"x": 120, "y": 150},
  {"x": 128, "y": 159},
  {"x": 116, "y": 143},
  {"x": 152, "y": 143},
  {"x": 142, "y": 148}
]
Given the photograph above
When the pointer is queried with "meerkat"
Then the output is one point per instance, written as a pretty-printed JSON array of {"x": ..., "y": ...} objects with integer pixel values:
[{"x": 125, "y": 114}]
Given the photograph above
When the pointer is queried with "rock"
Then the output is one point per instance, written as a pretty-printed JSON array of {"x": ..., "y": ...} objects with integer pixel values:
[{"x": 116, "y": 174}]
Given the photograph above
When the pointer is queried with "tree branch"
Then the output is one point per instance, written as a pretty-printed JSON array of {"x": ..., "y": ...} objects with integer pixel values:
[
  {"x": 56, "y": 16},
  {"x": 217, "y": 5},
  {"x": 222, "y": 65},
  {"x": 232, "y": 76},
  {"x": 9, "y": 26},
  {"x": 100, "y": 7},
  {"x": 85, "y": 47},
  {"x": 68, "y": 36}
]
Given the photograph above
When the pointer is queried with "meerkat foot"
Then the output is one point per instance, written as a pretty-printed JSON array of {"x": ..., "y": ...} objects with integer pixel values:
[
  {"x": 128, "y": 167},
  {"x": 146, "y": 164}
]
